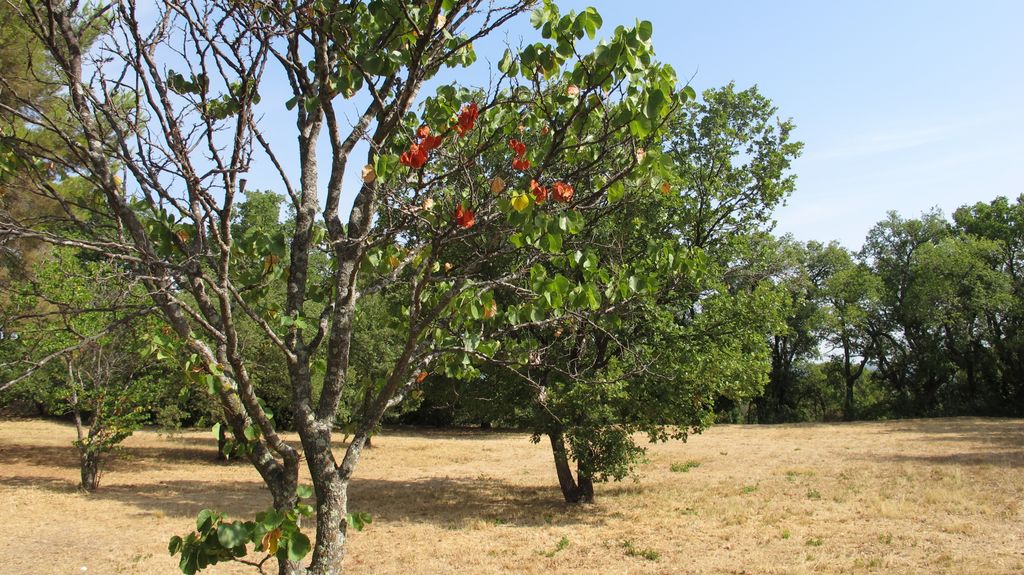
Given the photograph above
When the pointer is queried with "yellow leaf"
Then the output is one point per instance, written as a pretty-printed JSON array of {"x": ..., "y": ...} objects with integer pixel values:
[
  {"x": 270, "y": 541},
  {"x": 520, "y": 202},
  {"x": 269, "y": 262},
  {"x": 393, "y": 261}
]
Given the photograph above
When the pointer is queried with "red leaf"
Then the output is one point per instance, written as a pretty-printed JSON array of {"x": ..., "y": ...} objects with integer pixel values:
[
  {"x": 562, "y": 192},
  {"x": 464, "y": 217}
]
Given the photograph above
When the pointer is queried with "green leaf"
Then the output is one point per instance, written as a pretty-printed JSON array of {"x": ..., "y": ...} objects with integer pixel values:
[
  {"x": 640, "y": 127},
  {"x": 358, "y": 520},
  {"x": 298, "y": 546},
  {"x": 205, "y": 520},
  {"x": 507, "y": 65},
  {"x": 304, "y": 491},
  {"x": 538, "y": 18},
  {"x": 553, "y": 243},
  {"x": 616, "y": 192},
  {"x": 175, "y": 545},
  {"x": 269, "y": 519},
  {"x": 655, "y": 104},
  {"x": 232, "y": 535},
  {"x": 644, "y": 30}
]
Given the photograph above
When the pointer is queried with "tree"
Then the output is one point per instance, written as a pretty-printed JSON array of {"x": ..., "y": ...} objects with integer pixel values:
[
  {"x": 731, "y": 156},
  {"x": 443, "y": 193},
  {"x": 849, "y": 301},
  {"x": 796, "y": 270},
  {"x": 1002, "y": 222},
  {"x": 653, "y": 359},
  {"x": 909, "y": 355},
  {"x": 88, "y": 314}
]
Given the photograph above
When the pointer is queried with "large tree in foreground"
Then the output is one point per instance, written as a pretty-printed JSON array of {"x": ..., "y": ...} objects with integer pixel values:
[{"x": 178, "y": 98}]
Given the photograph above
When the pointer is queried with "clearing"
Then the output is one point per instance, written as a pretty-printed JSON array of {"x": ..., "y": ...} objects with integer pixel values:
[{"x": 911, "y": 496}]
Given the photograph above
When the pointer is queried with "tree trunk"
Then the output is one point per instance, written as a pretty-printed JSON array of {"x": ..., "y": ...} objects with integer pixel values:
[
  {"x": 571, "y": 491},
  {"x": 331, "y": 508},
  {"x": 330, "y": 483},
  {"x": 849, "y": 412},
  {"x": 222, "y": 442},
  {"x": 90, "y": 463},
  {"x": 586, "y": 487},
  {"x": 285, "y": 499}
]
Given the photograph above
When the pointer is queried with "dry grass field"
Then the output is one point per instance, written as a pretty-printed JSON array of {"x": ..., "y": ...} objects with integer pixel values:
[{"x": 922, "y": 496}]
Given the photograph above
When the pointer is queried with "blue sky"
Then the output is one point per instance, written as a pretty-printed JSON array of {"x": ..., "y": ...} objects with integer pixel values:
[{"x": 902, "y": 105}]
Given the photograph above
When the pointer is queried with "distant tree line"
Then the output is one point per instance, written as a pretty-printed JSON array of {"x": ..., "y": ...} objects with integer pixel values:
[{"x": 924, "y": 320}]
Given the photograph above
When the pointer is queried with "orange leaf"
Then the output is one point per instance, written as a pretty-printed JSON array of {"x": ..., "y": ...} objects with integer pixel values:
[
  {"x": 562, "y": 192},
  {"x": 369, "y": 174},
  {"x": 467, "y": 118},
  {"x": 464, "y": 217}
]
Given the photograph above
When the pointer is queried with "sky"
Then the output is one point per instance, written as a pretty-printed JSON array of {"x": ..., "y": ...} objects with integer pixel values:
[{"x": 902, "y": 105}]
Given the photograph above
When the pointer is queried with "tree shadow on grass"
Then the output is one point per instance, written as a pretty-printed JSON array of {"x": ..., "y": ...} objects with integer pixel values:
[
  {"x": 174, "y": 498},
  {"x": 127, "y": 458},
  {"x": 456, "y": 503},
  {"x": 983, "y": 441},
  {"x": 447, "y": 433},
  {"x": 448, "y": 502}
]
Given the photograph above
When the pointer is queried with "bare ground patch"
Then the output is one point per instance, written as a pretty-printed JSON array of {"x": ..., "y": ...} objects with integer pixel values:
[{"x": 916, "y": 496}]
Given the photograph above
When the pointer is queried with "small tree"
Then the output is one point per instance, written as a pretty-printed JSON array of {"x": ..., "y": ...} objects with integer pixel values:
[
  {"x": 86, "y": 313},
  {"x": 662, "y": 320}
]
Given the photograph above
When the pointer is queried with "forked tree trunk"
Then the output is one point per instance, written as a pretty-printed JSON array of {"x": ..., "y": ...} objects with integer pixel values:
[
  {"x": 330, "y": 483},
  {"x": 573, "y": 491}
]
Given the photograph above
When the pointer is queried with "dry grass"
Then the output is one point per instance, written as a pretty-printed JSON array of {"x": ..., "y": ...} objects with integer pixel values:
[{"x": 925, "y": 496}]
